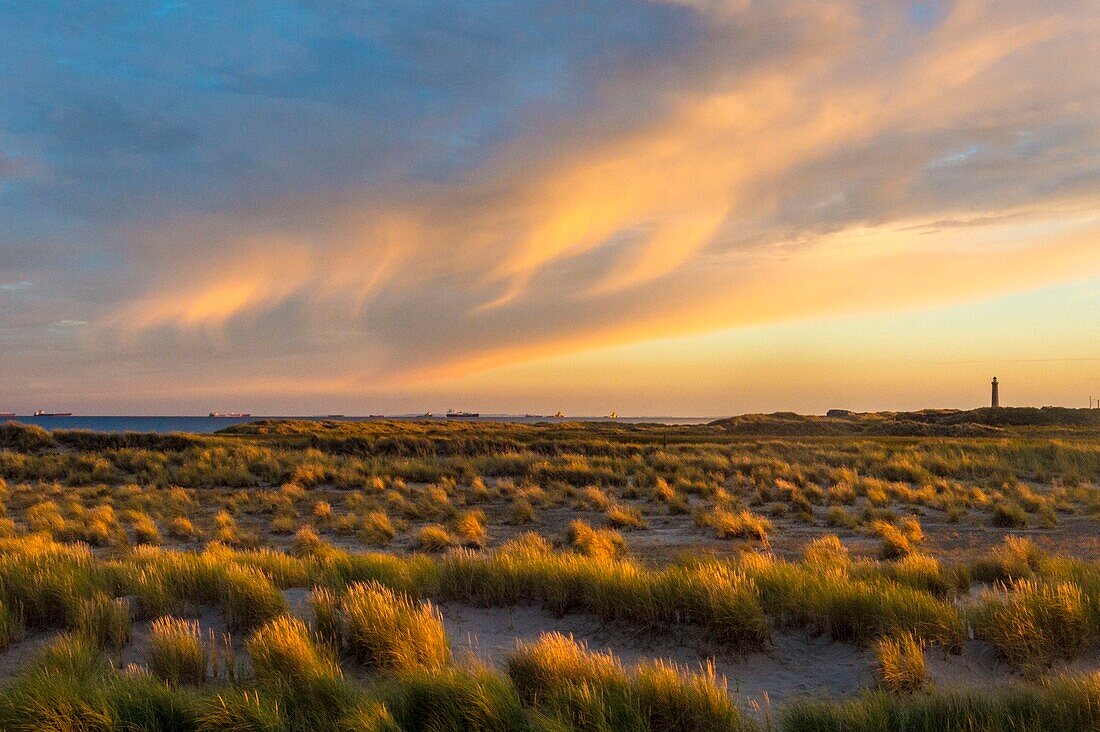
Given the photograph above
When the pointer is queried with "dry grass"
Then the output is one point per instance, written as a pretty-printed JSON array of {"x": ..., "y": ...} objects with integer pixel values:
[
  {"x": 177, "y": 653},
  {"x": 901, "y": 663},
  {"x": 389, "y": 632},
  {"x": 284, "y": 650},
  {"x": 599, "y": 543},
  {"x": 737, "y": 525},
  {"x": 1033, "y": 623},
  {"x": 433, "y": 538},
  {"x": 376, "y": 529}
]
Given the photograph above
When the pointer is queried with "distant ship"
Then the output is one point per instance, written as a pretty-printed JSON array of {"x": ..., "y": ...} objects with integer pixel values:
[
  {"x": 230, "y": 414},
  {"x": 613, "y": 415},
  {"x": 559, "y": 414},
  {"x": 535, "y": 416},
  {"x": 40, "y": 413},
  {"x": 452, "y": 414},
  {"x": 377, "y": 416},
  {"x": 426, "y": 414},
  {"x": 6, "y": 414}
]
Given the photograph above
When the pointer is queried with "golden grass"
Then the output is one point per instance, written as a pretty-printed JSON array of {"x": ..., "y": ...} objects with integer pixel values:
[
  {"x": 599, "y": 543},
  {"x": 177, "y": 653},
  {"x": 283, "y": 650},
  {"x": 433, "y": 538},
  {"x": 900, "y": 662},
  {"x": 389, "y": 632}
]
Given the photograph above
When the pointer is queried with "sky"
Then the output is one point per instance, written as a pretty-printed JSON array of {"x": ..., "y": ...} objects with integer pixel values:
[{"x": 670, "y": 207}]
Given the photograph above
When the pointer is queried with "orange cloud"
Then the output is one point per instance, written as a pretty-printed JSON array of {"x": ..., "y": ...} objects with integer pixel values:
[{"x": 787, "y": 190}]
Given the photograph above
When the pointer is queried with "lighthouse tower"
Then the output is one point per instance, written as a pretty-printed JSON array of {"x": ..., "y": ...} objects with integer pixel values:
[{"x": 996, "y": 402}]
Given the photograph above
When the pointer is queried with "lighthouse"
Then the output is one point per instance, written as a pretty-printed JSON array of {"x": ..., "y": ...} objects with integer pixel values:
[{"x": 996, "y": 401}]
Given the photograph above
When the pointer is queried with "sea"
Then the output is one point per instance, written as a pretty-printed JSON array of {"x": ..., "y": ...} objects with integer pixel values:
[{"x": 200, "y": 425}]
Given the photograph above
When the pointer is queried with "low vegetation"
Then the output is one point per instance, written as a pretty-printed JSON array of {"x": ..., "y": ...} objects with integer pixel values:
[{"x": 293, "y": 575}]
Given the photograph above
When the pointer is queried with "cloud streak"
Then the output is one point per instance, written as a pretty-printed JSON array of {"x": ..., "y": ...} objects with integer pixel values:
[{"x": 703, "y": 165}]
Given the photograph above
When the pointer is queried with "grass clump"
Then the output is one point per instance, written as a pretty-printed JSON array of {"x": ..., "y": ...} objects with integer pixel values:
[
  {"x": 389, "y": 632},
  {"x": 446, "y": 699},
  {"x": 376, "y": 529},
  {"x": 469, "y": 528},
  {"x": 181, "y": 528},
  {"x": 250, "y": 599},
  {"x": 1016, "y": 558},
  {"x": 624, "y": 517},
  {"x": 283, "y": 650},
  {"x": 599, "y": 543},
  {"x": 737, "y": 525},
  {"x": 1031, "y": 623},
  {"x": 11, "y": 626},
  {"x": 826, "y": 551},
  {"x": 1008, "y": 514},
  {"x": 898, "y": 540},
  {"x": 433, "y": 538},
  {"x": 901, "y": 663},
  {"x": 242, "y": 711},
  {"x": 1063, "y": 704},
  {"x": 104, "y": 622},
  {"x": 177, "y": 653},
  {"x": 849, "y": 608},
  {"x": 585, "y": 690}
]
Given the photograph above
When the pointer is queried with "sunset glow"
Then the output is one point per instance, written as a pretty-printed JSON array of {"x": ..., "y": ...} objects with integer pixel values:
[{"x": 677, "y": 208}]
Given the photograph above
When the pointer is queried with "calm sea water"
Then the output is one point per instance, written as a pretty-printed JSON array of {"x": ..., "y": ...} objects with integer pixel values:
[{"x": 213, "y": 424}]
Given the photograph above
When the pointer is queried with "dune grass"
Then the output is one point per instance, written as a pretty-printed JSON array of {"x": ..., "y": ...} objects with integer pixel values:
[
  {"x": 284, "y": 650},
  {"x": 588, "y": 690},
  {"x": 901, "y": 663},
  {"x": 387, "y": 631},
  {"x": 104, "y": 622},
  {"x": 177, "y": 652},
  {"x": 599, "y": 543},
  {"x": 1062, "y": 704},
  {"x": 1031, "y": 623}
]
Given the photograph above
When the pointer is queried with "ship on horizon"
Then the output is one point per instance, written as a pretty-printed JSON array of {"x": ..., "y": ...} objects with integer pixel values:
[
  {"x": 452, "y": 414},
  {"x": 40, "y": 413},
  {"x": 224, "y": 415},
  {"x": 6, "y": 414}
]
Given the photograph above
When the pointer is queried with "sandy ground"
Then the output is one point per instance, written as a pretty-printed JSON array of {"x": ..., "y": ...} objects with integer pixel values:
[{"x": 795, "y": 665}]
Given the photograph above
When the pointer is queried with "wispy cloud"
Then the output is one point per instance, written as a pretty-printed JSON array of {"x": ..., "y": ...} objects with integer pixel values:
[{"x": 419, "y": 196}]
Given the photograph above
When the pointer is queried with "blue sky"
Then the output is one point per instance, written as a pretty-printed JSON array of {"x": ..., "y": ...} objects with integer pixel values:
[{"x": 341, "y": 205}]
